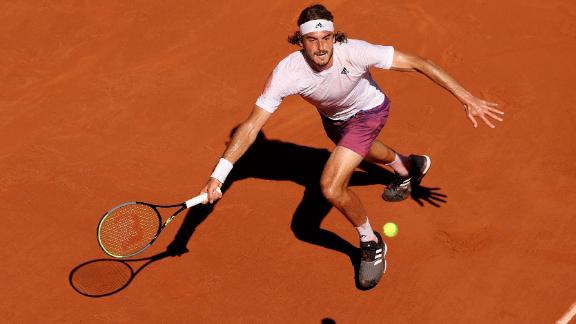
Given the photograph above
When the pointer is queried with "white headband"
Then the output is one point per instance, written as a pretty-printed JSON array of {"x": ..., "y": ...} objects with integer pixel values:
[{"x": 316, "y": 25}]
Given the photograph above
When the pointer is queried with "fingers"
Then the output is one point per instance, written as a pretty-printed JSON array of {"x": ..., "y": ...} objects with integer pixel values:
[
  {"x": 214, "y": 195},
  {"x": 492, "y": 113},
  {"x": 204, "y": 190},
  {"x": 474, "y": 122},
  {"x": 484, "y": 110},
  {"x": 496, "y": 111},
  {"x": 487, "y": 122},
  {"x": 212, "y": 190},
  {"x": 490, "y": 106},
  {"x": 494, "y": 116}
]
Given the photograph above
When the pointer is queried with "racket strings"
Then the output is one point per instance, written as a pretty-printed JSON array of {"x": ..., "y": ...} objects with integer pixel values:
[{"x": 129, "y": 229}]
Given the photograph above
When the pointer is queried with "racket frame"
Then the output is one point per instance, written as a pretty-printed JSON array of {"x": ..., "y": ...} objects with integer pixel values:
[
  {"x": 185, "y": 205},
  {"x": 161, "y": 225}
]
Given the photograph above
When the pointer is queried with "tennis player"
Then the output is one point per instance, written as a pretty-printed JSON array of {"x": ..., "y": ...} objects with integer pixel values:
[{"x": 332, "y": 73}]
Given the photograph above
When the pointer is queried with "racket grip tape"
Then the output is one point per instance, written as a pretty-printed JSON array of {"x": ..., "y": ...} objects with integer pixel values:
[{"x": 199, "y": 199}]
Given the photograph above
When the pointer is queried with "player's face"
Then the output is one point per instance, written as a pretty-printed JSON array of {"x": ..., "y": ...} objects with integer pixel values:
[{"x": 318, "y": 47}]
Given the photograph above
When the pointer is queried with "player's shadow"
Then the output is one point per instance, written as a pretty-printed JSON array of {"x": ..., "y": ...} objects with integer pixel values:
[
  {"x": 283, "y": 161},
  {"x": 266, "y": 159}
]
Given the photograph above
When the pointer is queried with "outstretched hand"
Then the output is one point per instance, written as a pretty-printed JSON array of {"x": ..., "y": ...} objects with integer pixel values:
[{"x": 476, "y": 107}]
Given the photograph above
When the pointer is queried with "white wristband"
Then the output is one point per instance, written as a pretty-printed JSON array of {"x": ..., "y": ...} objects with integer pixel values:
[{"x": 222, "y": 170}]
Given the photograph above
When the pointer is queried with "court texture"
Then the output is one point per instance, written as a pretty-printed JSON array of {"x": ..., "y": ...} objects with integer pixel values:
[{"x": 103, "y": 102}]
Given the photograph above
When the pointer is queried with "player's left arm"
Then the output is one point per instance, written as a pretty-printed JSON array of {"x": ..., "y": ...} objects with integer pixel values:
[{"x": 474, "y": 107}]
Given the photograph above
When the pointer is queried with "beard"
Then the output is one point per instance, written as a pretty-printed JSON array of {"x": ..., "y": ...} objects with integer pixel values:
[{"x": 318, "y": 62}]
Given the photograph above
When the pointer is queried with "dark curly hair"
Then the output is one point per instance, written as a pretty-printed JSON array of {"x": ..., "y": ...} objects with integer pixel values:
[{"x": 313, "y": 12}]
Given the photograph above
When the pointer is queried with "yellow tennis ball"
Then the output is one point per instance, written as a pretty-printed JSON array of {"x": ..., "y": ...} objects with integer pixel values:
[{"x": 390, "y": 229}]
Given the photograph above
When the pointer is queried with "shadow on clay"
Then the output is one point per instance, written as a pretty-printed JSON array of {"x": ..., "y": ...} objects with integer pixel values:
[
  {"x": 270, "y": 160},
  {"x": 284, "y": 161}
]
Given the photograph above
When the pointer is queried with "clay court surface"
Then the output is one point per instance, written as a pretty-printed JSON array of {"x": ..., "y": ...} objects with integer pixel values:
[{"x": 103, "y": 102}]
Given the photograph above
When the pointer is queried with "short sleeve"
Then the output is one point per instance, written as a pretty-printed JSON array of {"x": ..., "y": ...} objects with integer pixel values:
[
  {"x": 279, "y": 85},
  {"x": 369, "y": 55}
]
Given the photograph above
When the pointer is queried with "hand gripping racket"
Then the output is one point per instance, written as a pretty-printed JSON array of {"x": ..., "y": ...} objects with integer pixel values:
[{"x": 130, "y": 228}]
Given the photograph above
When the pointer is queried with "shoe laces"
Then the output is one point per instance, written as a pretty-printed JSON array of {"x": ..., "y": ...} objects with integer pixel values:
[
  {"x": 369, "y": 251},
  {"x": 398, "y": 181}
]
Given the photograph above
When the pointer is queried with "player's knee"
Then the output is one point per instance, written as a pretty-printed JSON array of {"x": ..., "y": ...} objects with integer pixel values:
[{"x": 331, "y": 190}]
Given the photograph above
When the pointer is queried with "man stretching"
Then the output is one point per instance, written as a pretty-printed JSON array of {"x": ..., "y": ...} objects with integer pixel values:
[{"x": 332, "y": 73}]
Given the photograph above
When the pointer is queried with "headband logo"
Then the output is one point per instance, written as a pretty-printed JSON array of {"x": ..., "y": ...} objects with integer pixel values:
[{"x": 316, "y": 25}]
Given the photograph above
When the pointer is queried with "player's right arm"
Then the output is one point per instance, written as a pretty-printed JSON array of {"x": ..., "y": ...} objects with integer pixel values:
[
  {"x": 280, "y": 84},
  {"x": 241, "y": 140}
]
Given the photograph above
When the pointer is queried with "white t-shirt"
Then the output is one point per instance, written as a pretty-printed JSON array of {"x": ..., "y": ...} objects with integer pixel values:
[{"x": 338, "y": 92}]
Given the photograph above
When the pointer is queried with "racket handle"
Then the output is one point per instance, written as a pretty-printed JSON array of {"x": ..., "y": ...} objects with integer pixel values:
[{"x": 199, "y": 199}]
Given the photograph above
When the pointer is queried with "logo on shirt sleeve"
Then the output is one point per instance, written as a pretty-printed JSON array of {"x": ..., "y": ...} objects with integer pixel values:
[{"x": 344, "y": 71}]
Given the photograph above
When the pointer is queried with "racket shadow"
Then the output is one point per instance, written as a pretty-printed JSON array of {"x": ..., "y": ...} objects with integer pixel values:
[
  {"x": 265, "y": 159},
  {"x": 108, "y": 276},
  {"x": 105, "y": 277}
]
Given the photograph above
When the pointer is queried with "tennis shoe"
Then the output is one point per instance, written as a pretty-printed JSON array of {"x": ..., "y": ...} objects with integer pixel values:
[
  {"x": 401, "y": 186},
  {"x": 372, "y": 262}
]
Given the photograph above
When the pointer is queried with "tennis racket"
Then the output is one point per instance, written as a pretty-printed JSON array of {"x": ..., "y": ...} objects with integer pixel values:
[{"x": 130, "y": 228}]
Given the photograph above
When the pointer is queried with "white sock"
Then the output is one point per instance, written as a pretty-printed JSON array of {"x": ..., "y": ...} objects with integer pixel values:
[
  {"x": 401, "y": 164},
  {"x": 366, "y": 233}
]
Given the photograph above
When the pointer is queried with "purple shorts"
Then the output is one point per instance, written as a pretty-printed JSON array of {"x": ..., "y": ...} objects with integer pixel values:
[{"x": 359, "y": 132}]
